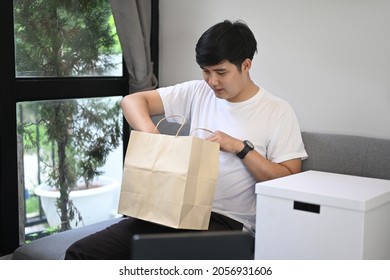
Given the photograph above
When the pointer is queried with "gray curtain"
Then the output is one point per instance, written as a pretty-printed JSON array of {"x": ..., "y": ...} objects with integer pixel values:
[{"x": 133, "y": 23}]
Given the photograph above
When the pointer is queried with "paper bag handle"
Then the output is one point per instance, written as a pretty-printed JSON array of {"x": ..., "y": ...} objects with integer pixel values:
[
  {"x": 172, "y": 116},
  {"x": 200, "y": 128}
]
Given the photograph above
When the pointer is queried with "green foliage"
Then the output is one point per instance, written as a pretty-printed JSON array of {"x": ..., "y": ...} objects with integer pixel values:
[
  {"x": 36, "y": 235},
  {"x": 32, "y": 204},
  {"x": 63, "y": 38},
  {"x": 117, "y": 48}
]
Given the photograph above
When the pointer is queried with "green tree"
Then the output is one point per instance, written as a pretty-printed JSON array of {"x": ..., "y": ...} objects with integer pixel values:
[{"x": 63, "y": 37}]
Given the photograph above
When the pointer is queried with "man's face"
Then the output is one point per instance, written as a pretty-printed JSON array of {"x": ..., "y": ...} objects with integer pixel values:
[{"x": 227, "y": 82}]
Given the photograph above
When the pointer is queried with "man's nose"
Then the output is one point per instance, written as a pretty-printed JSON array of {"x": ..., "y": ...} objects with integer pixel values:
[{"x": 213, "y": 80}]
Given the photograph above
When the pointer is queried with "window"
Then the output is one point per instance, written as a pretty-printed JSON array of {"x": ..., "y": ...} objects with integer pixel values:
[
  {"x": 32, "y": 74},
  {"x": 65, "y": 142},
  {"x": 22, "y": 85},
  {"x": 69, "y": 163}
]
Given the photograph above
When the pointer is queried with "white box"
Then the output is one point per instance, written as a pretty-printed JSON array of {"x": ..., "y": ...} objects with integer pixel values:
[{"x": 319, "y": 215}]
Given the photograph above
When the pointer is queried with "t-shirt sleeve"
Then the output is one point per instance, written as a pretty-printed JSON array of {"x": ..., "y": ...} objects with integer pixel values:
[
  {"x": 286, "y": 141},
  {"x": 177, "y": 99}
]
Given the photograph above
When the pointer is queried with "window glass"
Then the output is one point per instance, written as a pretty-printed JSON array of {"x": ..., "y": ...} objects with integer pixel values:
[
  {"x": 73, "y": 146},
  {"x": 55, "y": 38}
]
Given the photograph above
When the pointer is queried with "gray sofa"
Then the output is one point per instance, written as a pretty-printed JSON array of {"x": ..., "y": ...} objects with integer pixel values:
[{"x": 345, "y": 154}]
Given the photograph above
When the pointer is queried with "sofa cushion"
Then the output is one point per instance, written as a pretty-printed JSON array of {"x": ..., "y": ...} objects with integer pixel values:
[
  {"x": 377, "y": 163},
  {"x": 347, "y": 154}
]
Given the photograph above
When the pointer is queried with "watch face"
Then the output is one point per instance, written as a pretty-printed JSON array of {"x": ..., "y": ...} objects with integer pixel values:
[{"x": 249, "y": 144}]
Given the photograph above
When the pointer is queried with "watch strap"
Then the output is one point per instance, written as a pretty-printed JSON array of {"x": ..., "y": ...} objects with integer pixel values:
[{"x": 247, "y": 148}]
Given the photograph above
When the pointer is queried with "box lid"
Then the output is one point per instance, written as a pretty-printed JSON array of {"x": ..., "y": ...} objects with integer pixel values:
[{"x": 331, "y": 189}]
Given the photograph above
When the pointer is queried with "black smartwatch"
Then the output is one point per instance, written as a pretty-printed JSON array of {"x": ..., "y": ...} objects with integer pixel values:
[{"x": 247, "y": 148}]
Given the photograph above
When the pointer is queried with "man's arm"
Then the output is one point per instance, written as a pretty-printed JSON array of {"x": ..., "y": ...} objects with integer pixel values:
[
  {"x": 138, "y": 108},
  {"x": 260, "y": 167},
  {"x": 263, "y": 169}
]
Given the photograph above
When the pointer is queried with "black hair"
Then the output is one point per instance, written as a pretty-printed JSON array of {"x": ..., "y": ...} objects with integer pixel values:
[{"x": 231, "y": 41}]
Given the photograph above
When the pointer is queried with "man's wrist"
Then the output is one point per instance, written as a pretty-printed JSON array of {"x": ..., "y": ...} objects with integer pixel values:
[{"x": 248, "y": 146}]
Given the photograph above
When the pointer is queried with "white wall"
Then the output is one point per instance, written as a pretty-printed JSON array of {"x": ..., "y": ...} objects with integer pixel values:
[{"x": 329, "y": 58}]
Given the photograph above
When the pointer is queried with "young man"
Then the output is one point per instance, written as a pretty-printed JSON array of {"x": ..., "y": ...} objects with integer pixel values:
[{"x": 258, "y": 133}]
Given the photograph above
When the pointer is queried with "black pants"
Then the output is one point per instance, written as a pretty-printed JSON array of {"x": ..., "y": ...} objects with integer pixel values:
[{"x": 114, "y": 242}]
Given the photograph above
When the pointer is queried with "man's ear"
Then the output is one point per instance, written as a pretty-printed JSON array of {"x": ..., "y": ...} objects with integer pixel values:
[{"x": 246, "y": 65}]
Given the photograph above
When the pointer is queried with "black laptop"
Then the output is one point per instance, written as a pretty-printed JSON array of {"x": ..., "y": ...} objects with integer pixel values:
[{"x": 205, "y": 245}]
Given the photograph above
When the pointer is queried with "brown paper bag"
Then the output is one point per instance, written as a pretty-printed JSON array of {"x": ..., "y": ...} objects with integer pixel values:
[{"x": 169, "y": 180}]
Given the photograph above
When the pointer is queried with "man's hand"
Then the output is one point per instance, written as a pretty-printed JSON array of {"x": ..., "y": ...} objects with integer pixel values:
[{"x": 227, "y": 143}]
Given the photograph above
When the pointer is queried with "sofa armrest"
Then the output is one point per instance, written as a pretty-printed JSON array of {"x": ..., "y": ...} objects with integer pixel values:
[{"x": 53, "y": 247}]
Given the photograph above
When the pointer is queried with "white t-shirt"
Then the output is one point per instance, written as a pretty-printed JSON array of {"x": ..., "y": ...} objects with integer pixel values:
[{"x": 268, "y": 122}]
